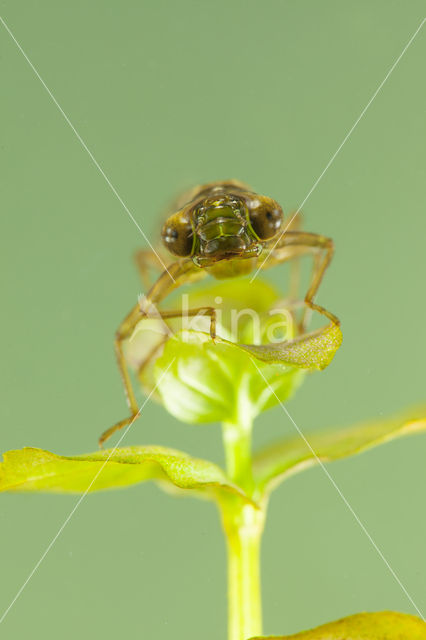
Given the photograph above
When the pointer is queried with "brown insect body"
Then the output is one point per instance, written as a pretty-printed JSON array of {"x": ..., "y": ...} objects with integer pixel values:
[{"x": 224, "y": 229}]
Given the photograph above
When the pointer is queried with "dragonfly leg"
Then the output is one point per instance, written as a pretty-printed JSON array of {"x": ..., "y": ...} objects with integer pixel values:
[
  {"x": 124, "y": 331},
  {"x": 293, "y": 245},
  {"x": 165, "y": 315},
  {"x": 294, "y": 279},
  {"x": 146, "y": 260},
  {"x": 176, "y": 274}
]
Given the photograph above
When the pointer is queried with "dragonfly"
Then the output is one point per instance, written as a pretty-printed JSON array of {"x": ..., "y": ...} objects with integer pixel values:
[{"x": 223, "y": 229}]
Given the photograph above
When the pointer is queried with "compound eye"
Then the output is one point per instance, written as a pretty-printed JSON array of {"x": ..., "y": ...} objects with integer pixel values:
[
  {"x": 266, "y": 218},
  {"x": 177, "y": 236}
]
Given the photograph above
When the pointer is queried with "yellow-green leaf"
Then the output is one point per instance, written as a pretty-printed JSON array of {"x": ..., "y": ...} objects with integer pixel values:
[
  {"x": 292, "y": 454},
  {"x": 36, "y": 470},
  {"x": 311, "y": 351},
  {"x": 200, "y": 380},
  {"x": 203, "y": 381},
  {"x": 386, "y": 625}
]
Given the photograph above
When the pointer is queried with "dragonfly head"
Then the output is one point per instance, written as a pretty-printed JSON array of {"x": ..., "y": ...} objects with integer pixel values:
[{"x": 223, "y": 226}]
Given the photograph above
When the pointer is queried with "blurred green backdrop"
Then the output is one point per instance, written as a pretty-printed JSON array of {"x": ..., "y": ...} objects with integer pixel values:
[{"x": 168, "y": 95}]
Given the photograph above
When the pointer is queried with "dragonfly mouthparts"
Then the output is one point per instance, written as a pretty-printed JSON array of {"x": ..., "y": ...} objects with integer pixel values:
[
  {"x": 222, "y": 230},
  {"x": 224, "y": 245}
]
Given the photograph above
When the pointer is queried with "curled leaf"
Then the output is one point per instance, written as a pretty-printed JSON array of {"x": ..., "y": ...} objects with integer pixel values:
[
  {"x": 291, "y": 455},
  {"x": 313, "y": 351},
  {"x": 204, "y": 381},
  {"x": 386, "y": 625},
  {"x": 200, "y": 380},
  {"x": 36, "y": 470}
]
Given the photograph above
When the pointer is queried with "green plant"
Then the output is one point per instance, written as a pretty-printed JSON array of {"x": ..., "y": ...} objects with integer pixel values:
[{"x": 227, "y": 381}]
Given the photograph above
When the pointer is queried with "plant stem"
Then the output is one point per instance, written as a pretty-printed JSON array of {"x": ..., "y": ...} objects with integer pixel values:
[
  {"x": 243, "y": 525},
  {"x": 243, "y": 532},
  {"x": 237, "y": 444}
]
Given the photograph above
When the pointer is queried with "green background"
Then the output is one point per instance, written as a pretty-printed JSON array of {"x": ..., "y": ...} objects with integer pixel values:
[{"x": 167, "y": 95}]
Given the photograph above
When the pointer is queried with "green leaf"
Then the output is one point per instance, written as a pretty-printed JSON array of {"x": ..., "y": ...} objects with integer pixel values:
[
  {"x": 230, "y": 297},
  {"x": 200, "y": 380},
  {"x": 386, "y": 625},
  {"x": 292, "y": 455},
  {"x": 204, "y": 381},
  {"x": 236, "y": 293},
  {"x": 36, "y": 470},
  {"x": 312, "y": 351}
]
